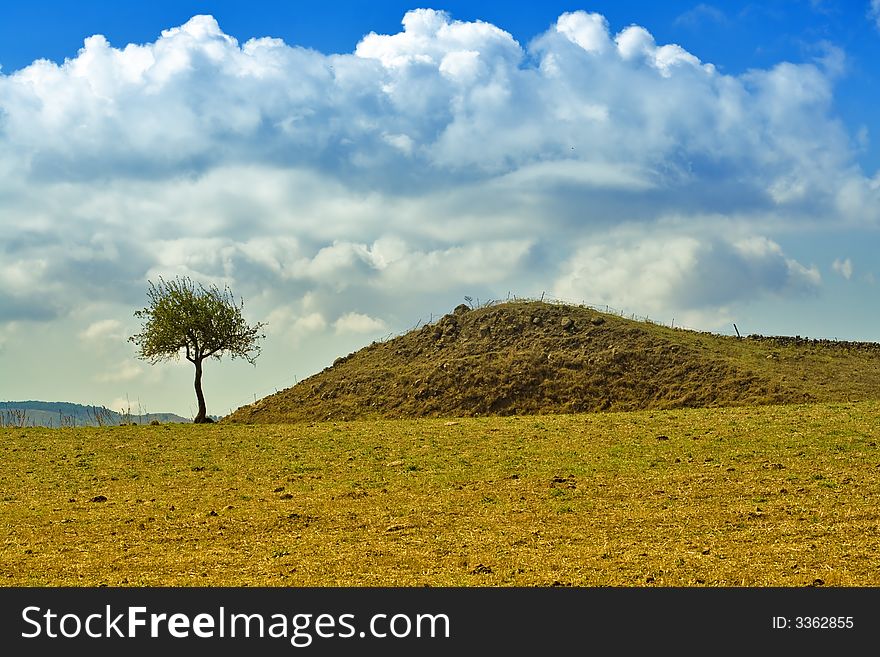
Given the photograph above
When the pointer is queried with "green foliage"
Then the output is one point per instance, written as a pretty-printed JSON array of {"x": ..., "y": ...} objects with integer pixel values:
[{"x": 200, "y": 321}]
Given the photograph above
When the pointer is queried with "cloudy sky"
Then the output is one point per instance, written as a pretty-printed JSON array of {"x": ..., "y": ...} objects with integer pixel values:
[{"x": 351, "y": 170}]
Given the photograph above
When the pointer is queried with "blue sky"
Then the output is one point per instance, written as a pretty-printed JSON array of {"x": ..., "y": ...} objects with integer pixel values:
[{"x": 353, "y": 168}]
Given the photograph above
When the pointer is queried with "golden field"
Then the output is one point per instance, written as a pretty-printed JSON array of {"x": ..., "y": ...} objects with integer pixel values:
[{"x": 744, "y": 496}]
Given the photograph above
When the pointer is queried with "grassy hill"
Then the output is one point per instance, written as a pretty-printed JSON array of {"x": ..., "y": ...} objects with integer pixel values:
[{"x": 524, "y": 358}]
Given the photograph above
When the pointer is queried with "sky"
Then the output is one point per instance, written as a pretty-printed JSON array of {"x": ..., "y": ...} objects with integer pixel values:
[{"x": 350, "y": 170}]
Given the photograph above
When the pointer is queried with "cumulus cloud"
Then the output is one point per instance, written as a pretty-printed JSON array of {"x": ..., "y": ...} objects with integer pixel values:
[
  {"x": 419, "y": 107},
  {"x": 843, "y": 267},
  {"x": 309, "y": 324},
  {"x": 430, "y": 38},
  {"x": 125, "y": 405},
  {"x": 121, "y": 372},
  {"x": 358, "y": 323},
  {"x": 25, "y": 287},
  {"x": 103, "y": 330},
  {"x": 669, "y": 273}
]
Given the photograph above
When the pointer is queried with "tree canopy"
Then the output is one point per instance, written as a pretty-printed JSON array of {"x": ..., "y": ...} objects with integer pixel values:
[{"x": 198, "y": 321}]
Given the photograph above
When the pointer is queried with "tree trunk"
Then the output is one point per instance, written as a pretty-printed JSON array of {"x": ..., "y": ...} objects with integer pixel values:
[{"x": 202, "y": 414}]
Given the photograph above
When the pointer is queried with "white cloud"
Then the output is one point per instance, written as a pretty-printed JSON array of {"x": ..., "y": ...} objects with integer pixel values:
[
  {"x": 636, "y": 42},
  {"x": 430, "y": 38},
  {"x": 123, "y": 371},
  {"x": 358, "y": 323},
  {"x": 126, "y": 405},
  {"x": 26, "y": 289},
  {"x": 843, "y": 267},
  {"x": 401, "y": 142},
  {"x": 421, "y": 105},
  {"x": 874, "y": 12},
  {"x": 575, "y": 173},
  {"x": 589, "y": 31},
  {"x": 673, "y": 273},
  {"x": 341, "y": 262},
  {"x": 23, "y": 276},
  {"x": 310, "y": 323},
  {"x": 295, "y": 319},
  {"x": 485, "y": 263},
  {"x": 103, "y": 330}
]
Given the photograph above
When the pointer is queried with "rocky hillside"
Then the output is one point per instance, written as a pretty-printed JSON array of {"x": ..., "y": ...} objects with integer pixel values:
[{"x": 532, "y": 357}]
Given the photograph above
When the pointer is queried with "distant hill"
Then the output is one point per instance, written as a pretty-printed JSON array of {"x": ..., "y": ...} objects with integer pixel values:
[
  {"x": 66, "y": 414},
  {"x": 533, "y": 357}
]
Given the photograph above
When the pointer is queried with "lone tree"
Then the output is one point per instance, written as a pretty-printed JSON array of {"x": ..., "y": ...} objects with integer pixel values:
[{"x": 187, "y": 317}]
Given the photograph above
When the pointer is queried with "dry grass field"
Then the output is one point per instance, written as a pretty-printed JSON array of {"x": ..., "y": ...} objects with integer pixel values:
[{"x": 744, "y": 496}]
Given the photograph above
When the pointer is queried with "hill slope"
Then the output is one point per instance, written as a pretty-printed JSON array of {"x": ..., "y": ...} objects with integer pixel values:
[{"x": 534, "y": 357}]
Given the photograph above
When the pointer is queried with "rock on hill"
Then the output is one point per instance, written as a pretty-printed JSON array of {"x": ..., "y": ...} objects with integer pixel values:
[{"x": 533, "y": 357}]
